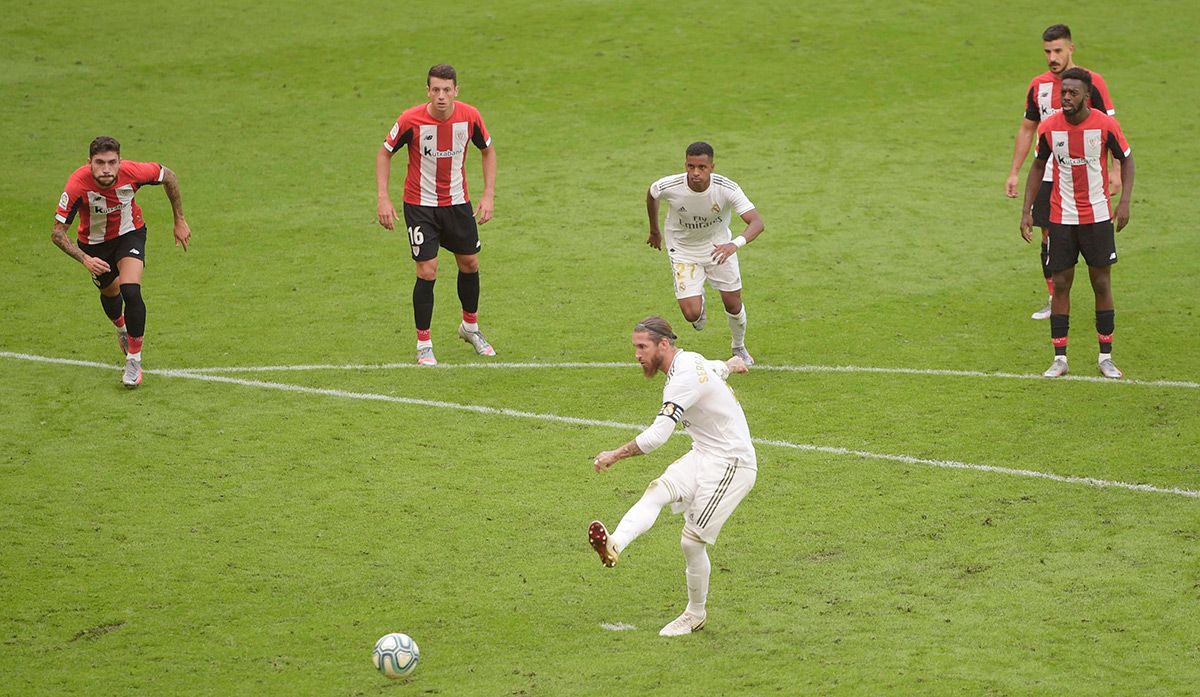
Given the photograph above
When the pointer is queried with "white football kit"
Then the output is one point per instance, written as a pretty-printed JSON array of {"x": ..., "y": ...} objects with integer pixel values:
[
  {"x": 697, "y": 220},
  {"x": 709, "y": 482}
]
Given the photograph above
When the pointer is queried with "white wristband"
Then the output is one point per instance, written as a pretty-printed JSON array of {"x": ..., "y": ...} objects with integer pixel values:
[{"x": 739, "y": 241}]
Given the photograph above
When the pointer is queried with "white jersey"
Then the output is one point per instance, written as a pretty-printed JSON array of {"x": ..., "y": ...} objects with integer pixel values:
[
  {"x": 697, "y": 396},
  {"x": 696, "y": 220}
]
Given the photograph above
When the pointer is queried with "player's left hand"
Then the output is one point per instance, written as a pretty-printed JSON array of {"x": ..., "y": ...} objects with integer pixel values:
[
  {"x": 721, "y": 252},
  {"x": 605, "y": 460},
  {"x": 183, "y": 233},
  {"x": 484, "y": 212},
  {"x": 1122, "y": 214}
]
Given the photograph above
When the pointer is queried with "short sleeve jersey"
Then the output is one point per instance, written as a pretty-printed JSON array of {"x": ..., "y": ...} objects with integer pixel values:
[
  {"x": 437, "y": 153},
  {"x": 106, "y": 213},
  {"x": 1044, "y": 99},
  {"x": 696, "y": 220},
  {"x": 697, "y": 396},
  {"x": 1077, "y": 157}
]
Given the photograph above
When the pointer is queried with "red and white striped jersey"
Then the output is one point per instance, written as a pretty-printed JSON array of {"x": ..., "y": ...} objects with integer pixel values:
[
  {"x": 106, "y": 213},
  {"x": 1078, "y": 157},
  {"x": 437, "y": 153},
  {"x": 1044, "y": 99}
]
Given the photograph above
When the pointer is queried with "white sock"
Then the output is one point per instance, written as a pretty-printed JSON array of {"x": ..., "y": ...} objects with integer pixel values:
[
  {"x": 134, "y": 356},
  {"x": 697, "y": 573},
  {"x": 643, "y": 514},
  {"x": 737, "y": 327},
  {"x": 427, "y": 343},
  {"x": 470, "y": 326},
  {"x": 1104, "y": 357}
]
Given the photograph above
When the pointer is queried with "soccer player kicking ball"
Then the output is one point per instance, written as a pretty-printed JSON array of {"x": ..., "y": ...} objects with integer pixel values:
[
  {"x": 112, "y": 237},
  {"x": 707, "y": 483}
]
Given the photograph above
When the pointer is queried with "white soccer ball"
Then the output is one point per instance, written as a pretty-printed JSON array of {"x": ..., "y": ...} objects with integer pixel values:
[{"x": 396, "y": 655}]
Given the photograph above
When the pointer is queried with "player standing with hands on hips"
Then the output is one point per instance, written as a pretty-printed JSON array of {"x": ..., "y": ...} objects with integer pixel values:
[
  {"x": 437, "y": 210},
  {"x": 707, "y": 483},
  {"x": 112, "y": 237},
  {"x": 699, "y": 207},
  {"x": 1079, "y": 139}
]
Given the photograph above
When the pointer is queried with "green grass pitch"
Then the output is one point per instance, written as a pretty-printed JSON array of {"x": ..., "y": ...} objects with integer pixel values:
[{"x": 256, "y": 532}]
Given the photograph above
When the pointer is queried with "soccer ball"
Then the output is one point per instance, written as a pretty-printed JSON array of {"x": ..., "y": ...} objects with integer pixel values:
[{"x": 396, "y": 655}]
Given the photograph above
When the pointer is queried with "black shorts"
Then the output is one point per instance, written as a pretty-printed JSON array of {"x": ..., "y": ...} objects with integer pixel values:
[
  {"x": 1041, "y": 206},
  {"x": 1096, "y": 241},
  {"x": 430, "y": 227},
  {"x": 131, "y": 244}
]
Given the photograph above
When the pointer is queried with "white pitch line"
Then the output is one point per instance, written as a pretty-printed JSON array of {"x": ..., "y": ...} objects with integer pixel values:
[
  {"x": 758, "y": 367},
  {"x": 478, "y": 409}
]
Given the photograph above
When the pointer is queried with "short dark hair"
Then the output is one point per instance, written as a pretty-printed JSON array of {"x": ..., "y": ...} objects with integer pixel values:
[
  {"x": 658, "y": 329},
  {"x": 104, "y": 144},
  {"x": 699, "y": 148},
  {"x": 1078, "y": 74},
  {"x": 1056, "y": 32},
  {"x": 444, "y": 71}
]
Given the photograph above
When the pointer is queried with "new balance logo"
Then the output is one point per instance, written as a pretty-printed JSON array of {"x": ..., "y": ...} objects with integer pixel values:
[
  {"x": 134, "y": 251},
  {"x": 1112, "y": 256}
]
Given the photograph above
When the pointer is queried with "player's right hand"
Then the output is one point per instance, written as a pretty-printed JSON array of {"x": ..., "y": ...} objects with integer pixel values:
[
  {"x": 1027, "y": 226},
  {"x": 96, "y": 266},
  {"x": 655, "y": 239},
  {"x": 1010, "y": 186},
  {"x": 387, "y": 214}
]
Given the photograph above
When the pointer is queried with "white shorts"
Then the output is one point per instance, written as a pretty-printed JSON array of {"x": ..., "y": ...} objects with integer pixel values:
[
  {"x": 706, "y": 490},
  {"x": 689, "y": 278}
]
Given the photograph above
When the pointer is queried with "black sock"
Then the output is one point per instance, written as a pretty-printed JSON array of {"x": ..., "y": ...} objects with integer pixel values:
[
  {"x": 1059, "y": 326},
  {"x": 1105, "y": 323},
  {"x": 112, "y": 306},
  {"x": 135, "y": 309},
  {"x": 423, "y": 304},
  {"x": 468, "y": 291}
]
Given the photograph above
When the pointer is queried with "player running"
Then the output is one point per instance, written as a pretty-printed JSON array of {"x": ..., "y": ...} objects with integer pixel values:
[
  {"x": 1041, "y": 102},
  {"x": 1080, "y": 139},
  {"x": 707, "y": 483},
  {"x": 112, "y": 237},
  {"x": 437, "y": 210},
  {"x": 698, "y": 239}
]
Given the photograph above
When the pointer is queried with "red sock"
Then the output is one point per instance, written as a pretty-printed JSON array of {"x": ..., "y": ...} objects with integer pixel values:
[
  {"x": 470, "y": 317},
  {"x": 1050, "y": 285},
  {"x": 423, "y": 335},
  {"x": 135, "y": 344},
  {"x": 119, "y": 322}
]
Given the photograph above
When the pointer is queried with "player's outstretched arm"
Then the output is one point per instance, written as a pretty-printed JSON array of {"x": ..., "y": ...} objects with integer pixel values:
[
  {"x": 605, "y": 460},
  {"x": 1032, "y": 183},
  {"x": 737, "y": 365},
  {"x": 183, "y": 233},
  {"x": 487, "y": 200},
  {"x": 655, "y": 238},
  {"x": 63, "y": 241},
  {"x": 385, "y": 211}
]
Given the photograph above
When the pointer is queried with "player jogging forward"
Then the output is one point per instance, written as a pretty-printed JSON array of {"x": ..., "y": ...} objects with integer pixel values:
[
  {"x": 1041, "y": 102},
  {"x": 437, "y": 210},
  {"x": 707, "y": 483},
  {"x": 112, "y": 237},
  {"x": 699, "y": 207},
  {"x": 1080, "y": 139}
]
